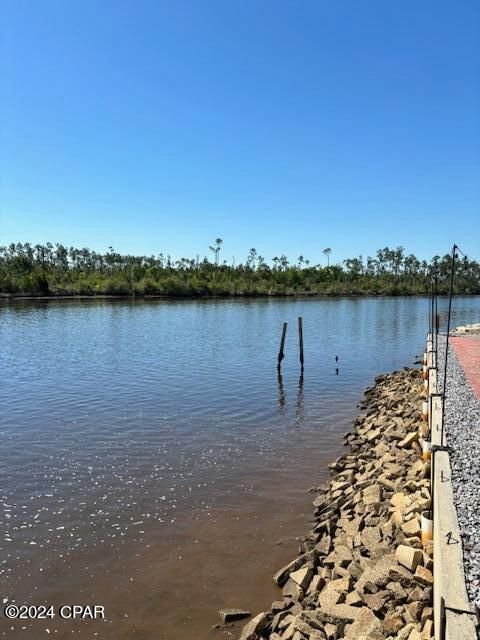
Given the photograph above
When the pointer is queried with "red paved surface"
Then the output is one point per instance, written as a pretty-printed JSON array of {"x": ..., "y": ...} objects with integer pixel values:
[{"x": 468, "y": 352}]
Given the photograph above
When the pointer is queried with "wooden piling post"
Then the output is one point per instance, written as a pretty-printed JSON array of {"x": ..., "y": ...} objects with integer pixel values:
[
  {"x": 300, "y": 340},
  {"x": 281, "y": 353}
]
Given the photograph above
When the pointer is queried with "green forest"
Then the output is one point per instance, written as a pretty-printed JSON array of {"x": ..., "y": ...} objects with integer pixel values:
[{"x": 55, "y": 270}]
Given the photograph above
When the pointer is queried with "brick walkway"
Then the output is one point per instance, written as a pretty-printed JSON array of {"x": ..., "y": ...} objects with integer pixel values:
[{"x": 468, "y": 352}]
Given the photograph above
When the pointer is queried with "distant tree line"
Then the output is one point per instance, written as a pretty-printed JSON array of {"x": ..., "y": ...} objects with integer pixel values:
[{"x": 57, "y": 270}]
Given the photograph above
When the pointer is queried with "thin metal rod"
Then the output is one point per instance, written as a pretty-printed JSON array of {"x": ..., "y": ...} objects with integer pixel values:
[{"x": 452, "y": 274}]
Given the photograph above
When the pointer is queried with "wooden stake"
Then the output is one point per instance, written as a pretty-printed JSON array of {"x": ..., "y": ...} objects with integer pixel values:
[
  {"x": 281, "y": 353},
  {"x": 300, "y": 339}
]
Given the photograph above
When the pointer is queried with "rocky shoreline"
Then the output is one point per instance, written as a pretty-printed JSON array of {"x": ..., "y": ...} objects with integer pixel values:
[
  {"x": 468, "y": 329},
  {"x": 362, "y": 572}
]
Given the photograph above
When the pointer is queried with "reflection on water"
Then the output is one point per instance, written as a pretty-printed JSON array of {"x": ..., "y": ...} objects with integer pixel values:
[
  {"x": 141, "y": 439},
  {"x": 299, "y": 409},
  {"x": 281, "y": 392}
]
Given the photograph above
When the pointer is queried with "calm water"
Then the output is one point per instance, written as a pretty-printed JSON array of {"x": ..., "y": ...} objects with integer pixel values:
[{"x": 153, "y": 461}]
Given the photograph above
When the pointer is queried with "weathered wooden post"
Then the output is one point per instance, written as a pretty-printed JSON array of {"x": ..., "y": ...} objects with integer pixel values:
[
  {"x": 300, "y": 339},
  {"x": 281, "y": 353}
]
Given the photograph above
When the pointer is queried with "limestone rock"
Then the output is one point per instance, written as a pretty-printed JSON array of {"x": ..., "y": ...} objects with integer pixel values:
[
  {"x": 255, "y": 626},
  {"x": 405, "y": 632},
  {"x": 413, "y": 611},
  {"x": 409, "y": 439},
  {"x": 303, "y": 626},
  {"x": 353, "y": 599},
  {"x": 311, "y": 617},
  {"x": 280, "y": 605},
  {"x": 416, "y": 594},
  {"x": 352, "y": 527},
  {"x": 408, "y": 557},
  {"x": 411, "y": 528},
  {"x": 289, "y": 632},
  {"x": 339, "y": 486},
  {"x": 293, "y": 590},
  {"x": 329, "y": 597},
  {"x": 286, "y": 621},
  {"x": 317, "y": 583},
  {"x": 229, "y": 615},
  {"x": 282, "y": 575},
  {"x": 302, "y": 576},
  {"x": 378, "y": 574},
  {"x": 338, "y": 614},
  {"x": 413, "y": 541},
  {"x": 331, "y": 631},
  {"x": 366, "y": 626},
  {"x": 427, "y": 614},
  {"x": 398, "y": 591},
  {"x": 392, "y": 623},
  {"x": 279, "y": 618},
  {"x": 371, "y": 537},
  {"x": 376, "y": 601},
  {"x": 325, "y": 545},
  {"x": 427, "y": 631},
  {"x": 400, "y": 501},
  {"x": 423, "y": 576},
  {"x": 340, "y": 556},
  {"x": 372, "y": 494},
  {"x": 427, "y": 562},
  {"x": 342, "y": 585}
]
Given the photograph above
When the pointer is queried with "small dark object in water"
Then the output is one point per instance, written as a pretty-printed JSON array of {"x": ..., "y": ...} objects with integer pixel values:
[
  {"x": 336, "y": 372},
  {"x": 336, "y": 358},
  {"x": 229, "y": 615}
]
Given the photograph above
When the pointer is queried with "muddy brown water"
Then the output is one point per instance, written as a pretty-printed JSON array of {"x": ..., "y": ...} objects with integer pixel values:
[{"x": 154, "y": 463}]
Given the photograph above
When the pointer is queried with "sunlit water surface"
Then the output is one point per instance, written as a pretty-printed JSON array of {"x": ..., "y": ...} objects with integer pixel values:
[{"x": 155, "y": 463}]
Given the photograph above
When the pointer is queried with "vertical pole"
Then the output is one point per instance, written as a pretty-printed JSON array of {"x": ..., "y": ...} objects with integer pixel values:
[
  {"x": 435, "y": 312},
  {"x": 431, "y": 315},
  {"x": 443, "y": 620},
  {"x": 452, "y": 273},
  {"x": 300, "y": 340},
  {"x": 281, "y": 353}
]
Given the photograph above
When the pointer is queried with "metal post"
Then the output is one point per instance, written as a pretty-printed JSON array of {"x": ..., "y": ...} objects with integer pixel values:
[
  {"x": 281, "y": 353},
  {"x": 300, "y": 340},
  {"x": 443, "y": 619},
  {"x": 452, "y": 273},
  {"x": 436, "y": 319}
]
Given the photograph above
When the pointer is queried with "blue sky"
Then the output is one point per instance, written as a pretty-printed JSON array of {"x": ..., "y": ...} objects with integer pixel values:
[{"x": 282, "y": 125}]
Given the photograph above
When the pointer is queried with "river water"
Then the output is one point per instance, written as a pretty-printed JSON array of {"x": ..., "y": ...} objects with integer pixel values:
[{"x": 154, "y": 463}]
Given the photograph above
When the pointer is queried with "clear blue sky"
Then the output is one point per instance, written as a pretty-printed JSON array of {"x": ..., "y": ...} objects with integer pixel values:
[{"x": 288, "y": 126}]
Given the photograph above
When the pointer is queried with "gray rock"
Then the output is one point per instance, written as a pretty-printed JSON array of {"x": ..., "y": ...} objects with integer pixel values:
[{"x": 366, "y": 625}]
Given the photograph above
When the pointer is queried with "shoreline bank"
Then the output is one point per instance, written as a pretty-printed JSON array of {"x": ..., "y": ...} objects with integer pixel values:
[
  {"x": 209, "y": 296},
  {"x": 362, "y": 571}
]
